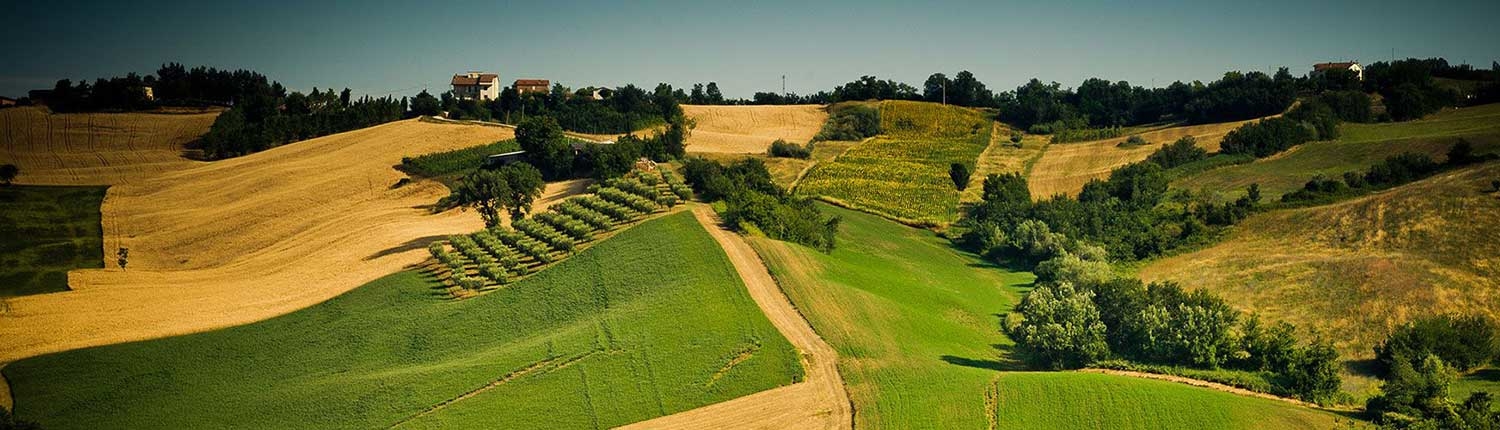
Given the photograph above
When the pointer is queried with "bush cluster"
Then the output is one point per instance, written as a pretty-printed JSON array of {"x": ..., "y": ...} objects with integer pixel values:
[
  {"x": 752, "y": 199},
  {"x": 784, "y": 149},
  {"x": 850, "y": 122}
]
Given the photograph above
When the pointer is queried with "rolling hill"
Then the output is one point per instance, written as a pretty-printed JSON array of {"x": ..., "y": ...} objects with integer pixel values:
[
  {"x": 650, "y": 322},
  {"x": 751, "y": 129},
  {"x": 1357, "y": 268},
  {"x": 1065, "y": 167}
]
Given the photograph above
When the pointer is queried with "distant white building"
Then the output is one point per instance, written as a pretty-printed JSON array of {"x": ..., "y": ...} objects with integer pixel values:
[
  {"x": 476, "y": 86},
  {"x": 1353, "y": 66}
]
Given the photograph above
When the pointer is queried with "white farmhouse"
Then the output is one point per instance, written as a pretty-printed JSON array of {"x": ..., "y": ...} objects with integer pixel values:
[
  {"x": 1353, "y": 66},
  {"x": 476, "y": 86}
]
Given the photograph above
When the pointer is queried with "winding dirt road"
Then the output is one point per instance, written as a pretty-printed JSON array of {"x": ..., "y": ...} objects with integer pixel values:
[{"x": 818, "y": 402}]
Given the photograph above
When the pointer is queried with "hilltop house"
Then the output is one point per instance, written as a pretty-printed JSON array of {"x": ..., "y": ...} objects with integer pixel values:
[
  {"x": 1353, "y": 66},
  {"x": 524, "y": 86},
  {"x": 476, "y": 86}
]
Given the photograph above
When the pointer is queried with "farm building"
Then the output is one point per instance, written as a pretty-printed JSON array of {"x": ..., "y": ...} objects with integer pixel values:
[
  {"x": 498, "y": 160},
  {"x": 1353, "y": 66},
  {"x": 524, "y": 86},
  {"x": 7, "y": 102},
  {"x": 476, "y": 86}
]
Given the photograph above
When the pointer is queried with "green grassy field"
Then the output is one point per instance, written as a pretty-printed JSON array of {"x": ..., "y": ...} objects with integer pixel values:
[
  {"x": 913, "y": 320},
  {"x": 1482, "y": 380},
  {"x": 650, "y": 322},
  {"x": 916, "y": 325},
  {"x": 45, "y": 231},
  {"x": 1071, "y": 400},
  {"x": 903, "y": 173},
  {"x": 1358, "y": 147}
]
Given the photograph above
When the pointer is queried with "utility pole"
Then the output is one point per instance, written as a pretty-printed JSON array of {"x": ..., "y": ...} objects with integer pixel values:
[
  {"x": 945, "y": 90},
  {"x": 783, "y": 86}
]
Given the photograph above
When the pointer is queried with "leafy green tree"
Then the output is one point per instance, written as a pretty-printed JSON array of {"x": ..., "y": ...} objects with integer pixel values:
[
  {"x": 714, "y": 96},
  {"x": 1059, "y": 328},
  {"x": 425, "y": 104},
  {"x": 959, "y": 173},
  {"x": 8, "y": 173},
  {"x": 512, "y": 188},
  {"x": 546, "y": 146}
]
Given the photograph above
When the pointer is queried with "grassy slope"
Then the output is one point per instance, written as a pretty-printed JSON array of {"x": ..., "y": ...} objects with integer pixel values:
[
  {"x": 1069, "y": 400},
  {"x": 904, "y": 172},
  {"x": 1360, "y": 267},
  {"x": 903, "y": 309},
  {"x": 46, "y": 231},
  {"x": 1482, "y": 380},
  {"x": 915, "y": 323},
  {"x": 639, "y": 326},
  {"x": 1360, "y": 146}
]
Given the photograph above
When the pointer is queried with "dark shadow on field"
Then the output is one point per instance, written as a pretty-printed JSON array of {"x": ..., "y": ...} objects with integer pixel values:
[
  {"x": 418, "y": 243},
  {"x": 1491, "y": 375},
  {"x": 1002, "y": 362},
  {"x": 1367, "y": 367}
]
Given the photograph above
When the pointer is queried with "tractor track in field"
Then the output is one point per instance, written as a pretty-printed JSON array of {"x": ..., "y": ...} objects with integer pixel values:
[{"x": 818, "y": 402}]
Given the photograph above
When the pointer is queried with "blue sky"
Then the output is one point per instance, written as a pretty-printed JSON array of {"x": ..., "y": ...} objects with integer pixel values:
[{"x": 379, "y": 47}]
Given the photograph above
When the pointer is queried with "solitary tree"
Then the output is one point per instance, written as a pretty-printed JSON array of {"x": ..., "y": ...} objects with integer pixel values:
[
  {"x": 8, "y": 173},
  {"x": 960, "y": 174}
]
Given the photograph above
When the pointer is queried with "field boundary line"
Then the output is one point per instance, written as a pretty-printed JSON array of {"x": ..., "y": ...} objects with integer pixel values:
[
  {"x": 1201, "y": 384},
  {"x": 545, "y": 366}
]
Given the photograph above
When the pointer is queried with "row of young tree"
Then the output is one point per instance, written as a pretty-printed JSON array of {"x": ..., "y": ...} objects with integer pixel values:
[
  {"x": 753, "y": 202},
  {"x": 560, "y": 158}
]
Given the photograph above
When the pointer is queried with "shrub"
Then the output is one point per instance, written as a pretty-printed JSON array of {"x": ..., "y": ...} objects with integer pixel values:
[
  {"x": 850, "y": 122},
  {"x": 494, "y": 273},
  {"x": 1015, "y": 137},
  {"x": 959, "y": 173},
  {"x": 781, "y": 148},
  {"x": 1464, "y": 342},
  {"x": 1183, "y": 151},
  {"x": 1133, "y": 141},
  {"x": 1267, "y": 137}
]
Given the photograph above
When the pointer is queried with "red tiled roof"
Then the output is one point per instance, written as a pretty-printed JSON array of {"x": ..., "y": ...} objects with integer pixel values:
[
  {"x": 1328, "y": 66},
  {"x": 532, "y": 83},
  {"x": 484, "y": 78}
]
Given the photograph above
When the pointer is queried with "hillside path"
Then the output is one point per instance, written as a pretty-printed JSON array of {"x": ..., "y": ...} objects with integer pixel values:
[{"x": 818, "y": 402}]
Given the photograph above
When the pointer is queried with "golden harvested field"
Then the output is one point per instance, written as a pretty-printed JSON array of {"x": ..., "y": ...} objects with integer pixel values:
[
  {"x": 249, "y": 238},
  {"x": 96, "y": 148},
  {"x": 751, "y": 129},
  {"x": 1065, "y": 167},
  {"x": 1358, "y": 268}
]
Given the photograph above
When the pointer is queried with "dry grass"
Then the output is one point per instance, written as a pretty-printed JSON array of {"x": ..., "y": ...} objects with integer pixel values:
[
  {"x": 245, "y": 239},
  {"x": 1064, "y": 168},
  {"x": 751, "y": 129},
  {"x": 1358, "y": 268},
  {"x": 96, "y": 148},
  {"x": 999, "y": 158}
]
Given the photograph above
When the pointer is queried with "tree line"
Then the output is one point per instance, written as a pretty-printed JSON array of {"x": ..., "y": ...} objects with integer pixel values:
[
  {"x": 266, "y": 117},
  {"x": 1394, "y": 170},
  {"x": 172, "y": 85},
  {"x": 1420, "y": 359}
]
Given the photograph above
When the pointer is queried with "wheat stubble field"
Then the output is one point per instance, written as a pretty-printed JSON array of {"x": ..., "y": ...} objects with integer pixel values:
[
  {"x": 1065, "y": 167},
  {"x": 242, "y": 240},
  {"x": 751, "y": 129},
  {"x": 97, "y": 148}
]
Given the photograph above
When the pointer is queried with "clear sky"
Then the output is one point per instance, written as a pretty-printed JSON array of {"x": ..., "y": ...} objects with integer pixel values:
[{"x": 401, "y": 47}]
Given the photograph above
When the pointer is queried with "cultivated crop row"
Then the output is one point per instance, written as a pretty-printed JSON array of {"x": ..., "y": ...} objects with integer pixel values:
[{"x": 500, "y": 255}]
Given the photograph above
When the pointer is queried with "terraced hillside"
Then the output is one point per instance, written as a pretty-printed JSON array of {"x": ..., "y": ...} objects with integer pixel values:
[
  {"x": 650, "y": 322},
  {"x": 96, "y": 148},
  {"x": 1358, "y": 147},
  {"x": 903, "y": 173},
  {"x": 1360, "y": 267}
]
